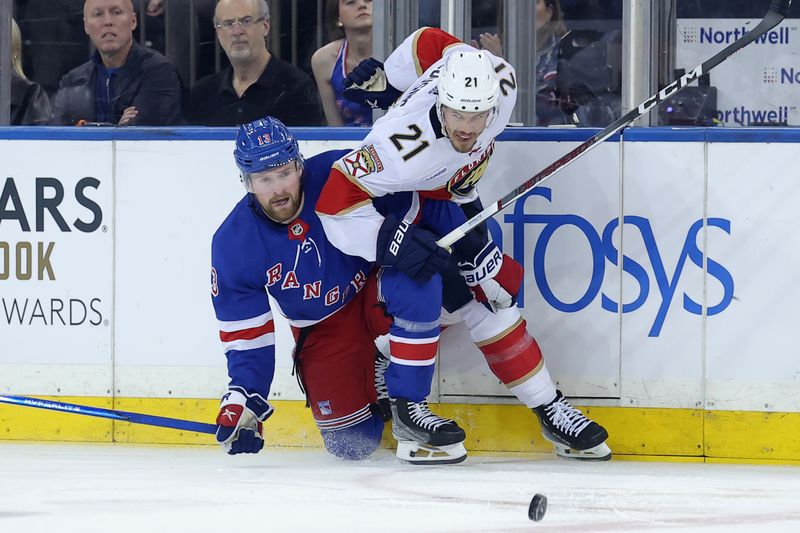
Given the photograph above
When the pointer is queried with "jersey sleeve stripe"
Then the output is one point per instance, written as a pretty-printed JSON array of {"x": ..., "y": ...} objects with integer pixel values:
[
  {"x": 247, "y": 334},
  {"x": 250, "y": 344},
  {"x": 341, "y": 194},
  {"x": 429, "y": 46},
  {"x": 247, "y": 323}
]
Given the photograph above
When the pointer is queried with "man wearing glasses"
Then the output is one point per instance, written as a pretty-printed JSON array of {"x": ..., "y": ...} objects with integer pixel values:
[{"x": 257, "y": 83}]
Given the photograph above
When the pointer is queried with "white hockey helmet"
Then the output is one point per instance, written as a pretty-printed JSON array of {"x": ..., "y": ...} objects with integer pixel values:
[{"x": 468, "y": 82}]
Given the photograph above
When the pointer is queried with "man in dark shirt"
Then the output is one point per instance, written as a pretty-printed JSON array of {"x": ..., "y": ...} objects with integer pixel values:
[
  {"x": 257, "y": 83},
  {"x": 124, "y": 83}
]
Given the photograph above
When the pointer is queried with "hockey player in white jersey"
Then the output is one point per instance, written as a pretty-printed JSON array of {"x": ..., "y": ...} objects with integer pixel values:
[{"x": 435, "y": 144}]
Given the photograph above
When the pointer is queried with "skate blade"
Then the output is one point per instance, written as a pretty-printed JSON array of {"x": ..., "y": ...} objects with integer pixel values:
[
  {"x": 419, "y": 454},
  {"x": 601, "y": 452}
]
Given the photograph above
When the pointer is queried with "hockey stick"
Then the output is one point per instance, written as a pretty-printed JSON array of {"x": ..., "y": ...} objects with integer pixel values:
[
  {"x": 123, "y": 416},
  {"x": 777, "y": 11}
]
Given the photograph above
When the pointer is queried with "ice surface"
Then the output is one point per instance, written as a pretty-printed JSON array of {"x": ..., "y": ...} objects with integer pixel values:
[{"x": 85, "y": 488}]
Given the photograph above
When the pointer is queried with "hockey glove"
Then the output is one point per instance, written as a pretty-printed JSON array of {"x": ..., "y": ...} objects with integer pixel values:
[
  {"x": 410, "y": 249},
  {"x": 239, "y": 422},
  {"x": 367, "y": 85},
  {"x": 494, "y": 277}
]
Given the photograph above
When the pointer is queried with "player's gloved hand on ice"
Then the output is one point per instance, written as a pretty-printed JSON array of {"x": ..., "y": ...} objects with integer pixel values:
[
  {"x": 410, "y": 249},
  {"x": 367, "y": 84},
  {"x": 494, "y": 277},
  {"x": 239, "y": 422}
]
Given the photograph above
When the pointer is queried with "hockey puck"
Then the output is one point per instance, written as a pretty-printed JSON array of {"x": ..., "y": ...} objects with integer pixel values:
[{"x": 537, "y": 507}]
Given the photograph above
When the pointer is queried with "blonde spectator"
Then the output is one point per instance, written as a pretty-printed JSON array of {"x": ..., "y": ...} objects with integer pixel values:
[
  {"x": 29, "y": 102},
  {"x": 350, "y": 24}
]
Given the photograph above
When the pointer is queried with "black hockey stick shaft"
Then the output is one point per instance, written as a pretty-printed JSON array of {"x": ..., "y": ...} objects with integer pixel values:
[{"x": 777, "y": 12}]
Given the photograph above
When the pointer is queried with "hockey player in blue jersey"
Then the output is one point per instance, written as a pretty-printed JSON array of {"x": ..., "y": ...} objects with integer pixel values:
[{"x": 336, "y": 304}]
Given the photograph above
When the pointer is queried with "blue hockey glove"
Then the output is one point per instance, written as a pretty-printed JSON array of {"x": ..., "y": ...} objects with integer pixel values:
[
  {"x": 410, "y": 249},
  {"x": 367, "y": 85},
  {"x": 239, "y": 422}
]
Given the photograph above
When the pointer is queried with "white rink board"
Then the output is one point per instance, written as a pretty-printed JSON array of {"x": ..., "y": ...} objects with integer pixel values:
[
  {"x": 56, "y": 205},
  {"x": 662, "y": 357},
  {"x": 163, "y": 199},
  {"x": 753, "y": 355}
]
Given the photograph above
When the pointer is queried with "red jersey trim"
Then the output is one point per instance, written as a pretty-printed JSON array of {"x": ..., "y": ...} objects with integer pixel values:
[
  {"x": 428, "y": 47},
  {"x": 247, "y": 334},
  {"x": 341, "y": 195}
]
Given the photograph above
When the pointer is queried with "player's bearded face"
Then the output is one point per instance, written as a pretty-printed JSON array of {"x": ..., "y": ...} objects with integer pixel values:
[
  {"x": 278, "y": 191},
  {"x": 463, "y": 127}
]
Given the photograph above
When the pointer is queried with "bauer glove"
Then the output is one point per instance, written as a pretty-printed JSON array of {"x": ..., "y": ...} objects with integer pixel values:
[
  {"x": 239, "y": 422},
  {"x": 410, "y": 249}
]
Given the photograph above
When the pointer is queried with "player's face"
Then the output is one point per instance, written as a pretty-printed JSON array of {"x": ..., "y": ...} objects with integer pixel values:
[
  {"x": 240, "y": 29},
  {"x": 463, "y": 127},
  {"x": 355, "y": 14},
  {"x": 109, "y": 24},
  {"x": 278, "y": 191}
]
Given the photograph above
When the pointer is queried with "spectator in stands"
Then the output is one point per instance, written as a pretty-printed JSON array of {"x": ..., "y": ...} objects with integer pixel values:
[
  {"x": 257, "y": 83},
  {"x": 550, "y": 108},
  {"x": 123, "y": 83},
  {"x": 55, "y": 41},
  {"x": 350, "y": 25},
  {"x": 549, "y": 31},
  {"x": 30, "y": 105}
]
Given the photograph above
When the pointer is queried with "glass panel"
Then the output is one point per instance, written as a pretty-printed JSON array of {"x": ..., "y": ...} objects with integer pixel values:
[
  {"x": 579, "y": 73},
  {"x": 755, "y": 87},
  {"x": 578, "y": 58}
]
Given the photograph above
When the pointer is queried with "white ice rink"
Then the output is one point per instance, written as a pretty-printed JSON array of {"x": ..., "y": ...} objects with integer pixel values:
[{"x": 53, "y": 488}]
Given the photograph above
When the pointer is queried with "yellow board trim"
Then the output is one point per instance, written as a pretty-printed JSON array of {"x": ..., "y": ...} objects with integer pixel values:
[{"x": 684, "y": 435}]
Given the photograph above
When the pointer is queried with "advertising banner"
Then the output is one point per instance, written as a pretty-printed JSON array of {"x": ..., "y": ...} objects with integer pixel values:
[
  {"x": 758, "y": 85},
  {"x": 56, "y": 251}
]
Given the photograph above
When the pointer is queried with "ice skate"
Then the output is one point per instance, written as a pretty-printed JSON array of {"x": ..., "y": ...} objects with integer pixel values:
[
  {"x": 573, "y": 435},
  {"x": 423, "y": 437}
]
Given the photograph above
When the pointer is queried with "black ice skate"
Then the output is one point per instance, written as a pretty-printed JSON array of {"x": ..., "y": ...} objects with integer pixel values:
[
  {"x": 424, "y": 438},
  {"x": 381, "y": 364},
  {"x": 572, "y": 434}
]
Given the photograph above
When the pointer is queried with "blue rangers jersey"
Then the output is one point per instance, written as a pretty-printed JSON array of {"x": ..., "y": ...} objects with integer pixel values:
[{"x": 308, "y": 278}]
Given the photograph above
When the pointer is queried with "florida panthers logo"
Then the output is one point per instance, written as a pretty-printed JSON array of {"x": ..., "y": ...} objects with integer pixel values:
[
  {"x": 363, "y": 161},
  {"x": 463, "y": 181}
]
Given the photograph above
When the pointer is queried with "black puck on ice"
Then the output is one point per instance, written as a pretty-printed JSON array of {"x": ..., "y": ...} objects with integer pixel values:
[{"x": 537, "y": 507}]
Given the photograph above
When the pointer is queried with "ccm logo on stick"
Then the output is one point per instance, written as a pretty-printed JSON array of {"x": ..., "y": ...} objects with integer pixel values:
[{"x": 671, "y": 89}]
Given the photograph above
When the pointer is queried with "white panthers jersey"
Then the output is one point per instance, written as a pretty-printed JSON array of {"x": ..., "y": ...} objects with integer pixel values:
[{"x": 407, "y": 149}]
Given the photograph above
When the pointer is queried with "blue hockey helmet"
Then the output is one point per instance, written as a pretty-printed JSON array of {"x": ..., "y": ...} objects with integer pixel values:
[{"x": 264, "y": 144}]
